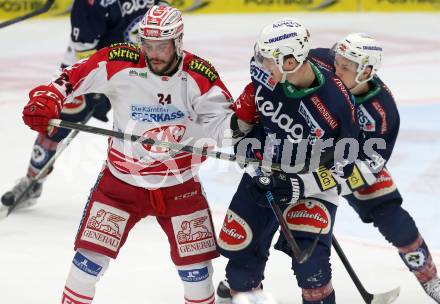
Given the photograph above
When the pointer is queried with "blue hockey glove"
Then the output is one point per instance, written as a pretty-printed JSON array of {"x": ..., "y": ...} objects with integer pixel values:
[{"x": 284, "y": 189}]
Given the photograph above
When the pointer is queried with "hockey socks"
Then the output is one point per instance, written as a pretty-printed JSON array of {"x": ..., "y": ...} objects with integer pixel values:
[
  {"x": 86, "y": 270},
  {"x": 321, "y": 295},
  {"x": 418, "y": 259},
  {"x": 197, "y": 283},
  {"x": 43, "y": 150}
]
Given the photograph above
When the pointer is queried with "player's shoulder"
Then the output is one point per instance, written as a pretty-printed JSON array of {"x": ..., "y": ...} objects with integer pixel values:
[
  {"x": 119, "y": 56},
  {"x": 336, "y": 94},
  {"x": 322, "y": 57},
  {"x": 385, "y": 93},
  {"x": 383, "y": 103},
  {"x": 201, "y": 70}
]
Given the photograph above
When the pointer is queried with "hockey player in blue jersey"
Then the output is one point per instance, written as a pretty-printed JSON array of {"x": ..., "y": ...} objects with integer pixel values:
[
  {"x": 94, "y": 25},
  {"x": 292, "y": 102},
  {"x": 356, "y": 60}
]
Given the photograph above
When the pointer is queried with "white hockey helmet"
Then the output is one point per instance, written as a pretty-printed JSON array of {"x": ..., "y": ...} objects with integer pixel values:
[
  {"x": 363, "y": 50},
  {"x": 162, "y": 23},
  {"x": 281, "y": 38}
]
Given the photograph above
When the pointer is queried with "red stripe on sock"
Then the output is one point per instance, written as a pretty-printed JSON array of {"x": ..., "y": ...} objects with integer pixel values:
[
  {"x": 210, "y": 298},
  {"x": 77, "y": 294},
  {"x": 68, "y": 300}
]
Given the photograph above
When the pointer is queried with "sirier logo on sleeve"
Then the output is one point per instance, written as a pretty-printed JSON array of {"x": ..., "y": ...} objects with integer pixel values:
[
  {"x": 123, "y": 52},
  {"x": 204, "y": 69}
]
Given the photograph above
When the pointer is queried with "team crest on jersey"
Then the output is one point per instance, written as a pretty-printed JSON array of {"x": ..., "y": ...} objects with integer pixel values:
[
  {"x": 316, "y": 132},
  {"x": 262, "y": 76},
  {"x": 171, "y": 134},
  {"x": 366, "y": 121},
  {"x": 308, "y": 215},
  {"x": 194, "y": 233},
  {"x": 105, "y": 226},
  {"x": 236, "y": 233},
  {"x": 203, "y": 68},
  {"x": 123, "y": 52}
]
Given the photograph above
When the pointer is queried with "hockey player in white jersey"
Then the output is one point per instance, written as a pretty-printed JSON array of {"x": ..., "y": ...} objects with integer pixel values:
[
  {"x": 159, "y": 91},
  {"x": 94, "y": 25}
]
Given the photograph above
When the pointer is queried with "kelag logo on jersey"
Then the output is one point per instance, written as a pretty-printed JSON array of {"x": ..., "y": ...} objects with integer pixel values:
[
  {"x": 316, "y": 131},
  {"x": 277, "y": 116},
  {"x": 261, "y": 76},
  {"x": 158, "y": 114},
  {"x": 366, "y": 122}
]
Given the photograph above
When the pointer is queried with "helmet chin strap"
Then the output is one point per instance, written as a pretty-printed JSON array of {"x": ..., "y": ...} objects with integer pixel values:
[
  {"x": 285, "y": 73},
  {"x": 360, "y": 82}
]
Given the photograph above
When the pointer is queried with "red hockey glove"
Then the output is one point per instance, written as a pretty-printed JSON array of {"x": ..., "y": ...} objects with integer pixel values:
[
  {"x": 245, "y": 107},
  {"x": 44, "y": 104}
]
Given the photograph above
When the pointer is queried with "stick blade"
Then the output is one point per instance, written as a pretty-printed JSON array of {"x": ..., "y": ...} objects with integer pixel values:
[{"x": 386, "y": 297}]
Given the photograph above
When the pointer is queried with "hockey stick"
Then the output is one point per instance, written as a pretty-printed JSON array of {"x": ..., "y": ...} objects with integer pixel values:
[
  {"x": 378, "y": 298},
  {"x": 300, "y": 256},
  {"x": 241, "y": 160},
  {"x": 34, "y": 13},
  {"x": 61, "y": 147}
]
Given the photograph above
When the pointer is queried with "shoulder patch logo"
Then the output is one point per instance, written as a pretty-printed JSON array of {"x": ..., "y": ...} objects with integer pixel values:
[
  {"x": 123, "y": 52},
  {"x": 203, "y": 68}
]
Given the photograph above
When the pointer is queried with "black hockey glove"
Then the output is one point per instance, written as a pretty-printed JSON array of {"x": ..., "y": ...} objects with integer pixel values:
[
  {"x": 284, "y": 189},
  {"x": 101, "y": 106}
]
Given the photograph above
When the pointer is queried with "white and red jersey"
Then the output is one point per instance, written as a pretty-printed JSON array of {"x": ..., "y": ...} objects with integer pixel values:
[{"x": 190, "y": 105}]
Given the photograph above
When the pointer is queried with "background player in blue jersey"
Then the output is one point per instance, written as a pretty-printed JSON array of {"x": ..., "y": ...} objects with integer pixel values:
[
  {"x": 356, "y": 60},
  {"x": 94, "y": 25},
  {"x": 297, "y": 104}
]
